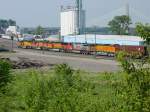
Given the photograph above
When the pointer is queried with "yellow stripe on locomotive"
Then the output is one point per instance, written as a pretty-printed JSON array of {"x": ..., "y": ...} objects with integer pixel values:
[
  {"x": 25, "y": 44},
  {"x": 57, "y": 46},
  {"x": 105, "y": 48}
]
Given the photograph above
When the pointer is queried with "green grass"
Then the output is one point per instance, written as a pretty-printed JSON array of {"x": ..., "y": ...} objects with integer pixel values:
[
  {"x": 44, "y": 91},
  {"x": 65, "y": 90}
]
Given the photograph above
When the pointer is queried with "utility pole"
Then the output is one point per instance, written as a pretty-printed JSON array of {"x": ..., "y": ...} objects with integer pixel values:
[
  {"x": 95, "y": 42},
  {"x": 43, "y": 48},
  {"x": 12, "y": 43},
  {"x": 76, "y": 36},
  {"x": 85, "y": 37},
  {"x": 11, "y": 35}
]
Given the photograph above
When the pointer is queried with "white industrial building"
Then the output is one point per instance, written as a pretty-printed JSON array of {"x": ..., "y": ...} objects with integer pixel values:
[
  {"x": 104, "y": 39},
  {"x": 72, "y": 19},
  {"x": 12, "y": 29}
]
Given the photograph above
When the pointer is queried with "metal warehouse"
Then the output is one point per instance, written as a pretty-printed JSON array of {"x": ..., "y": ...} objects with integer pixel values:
[{"x": 104, "y": 39}]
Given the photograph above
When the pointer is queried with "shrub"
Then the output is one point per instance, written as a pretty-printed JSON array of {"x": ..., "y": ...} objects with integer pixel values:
[
  {"x": 63, "y": 69},
  {"x": 135, "y": 88},
  {"x": 63, "y": 92},
  {"x": 67, "y": 91},
  {"x": 120, "y": 56},
  {"x": 5, "y": 76},
  {"x": 64, "y": 72}
]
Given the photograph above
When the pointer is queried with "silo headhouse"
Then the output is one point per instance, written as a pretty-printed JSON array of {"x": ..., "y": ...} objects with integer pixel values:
[{"x": 72, "y": 19}]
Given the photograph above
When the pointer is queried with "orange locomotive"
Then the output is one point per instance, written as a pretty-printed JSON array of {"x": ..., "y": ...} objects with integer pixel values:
[{"x": 109, "y": 50}]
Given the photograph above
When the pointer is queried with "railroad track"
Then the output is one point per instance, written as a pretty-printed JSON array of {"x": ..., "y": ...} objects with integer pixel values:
[
  {"x": 7, "y": 44},
  {"x": 56, "y": 53}
]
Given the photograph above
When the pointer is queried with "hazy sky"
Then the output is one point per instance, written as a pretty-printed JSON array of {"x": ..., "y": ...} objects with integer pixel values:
[{"x": 30, "y": 13}]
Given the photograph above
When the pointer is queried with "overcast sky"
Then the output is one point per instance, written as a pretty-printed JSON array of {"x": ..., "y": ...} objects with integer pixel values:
[{"x": 31, "y": 13}]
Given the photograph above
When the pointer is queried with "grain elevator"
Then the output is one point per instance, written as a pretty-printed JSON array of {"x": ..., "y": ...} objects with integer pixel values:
[{"x": 72, "y": 19}]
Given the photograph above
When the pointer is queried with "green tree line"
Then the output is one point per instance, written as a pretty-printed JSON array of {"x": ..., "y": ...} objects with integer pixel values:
[{"x": 5, "y": 23}]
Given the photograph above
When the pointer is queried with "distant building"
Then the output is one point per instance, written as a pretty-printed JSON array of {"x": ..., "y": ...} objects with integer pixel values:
[
  {"x": 13, "y": 29},
  {"x": 105, "y": 39}
]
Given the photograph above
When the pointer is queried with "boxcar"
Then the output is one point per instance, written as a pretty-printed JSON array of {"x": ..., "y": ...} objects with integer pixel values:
[{"x": 134, "y": 50}]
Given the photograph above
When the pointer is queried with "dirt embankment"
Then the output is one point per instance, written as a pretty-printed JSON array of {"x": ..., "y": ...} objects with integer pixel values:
[{"x": 24, "y": 63}]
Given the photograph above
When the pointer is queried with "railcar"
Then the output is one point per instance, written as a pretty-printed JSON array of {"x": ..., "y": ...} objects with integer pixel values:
[
  {"x": 25, "y": 44},
  {"x": 109, "y": 50},
  {"x": 67, "y": 47},
  {"x": 82, "y": 48},
  {"x": 135, "y": 51},
  {"x": 57, "y": 45},
  {"x": 49, "y": 46}
]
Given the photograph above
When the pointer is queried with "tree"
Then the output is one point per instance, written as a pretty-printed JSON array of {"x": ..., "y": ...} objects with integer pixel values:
[
  {"x": 11, "y": 22},
  {"x": 5, "y": 23},
  {"x": 39, "y": 30},
  {"x": 144, "y": 32},
  {"x": 120, "y": 24},
  {"x": 134, "y": 88}
]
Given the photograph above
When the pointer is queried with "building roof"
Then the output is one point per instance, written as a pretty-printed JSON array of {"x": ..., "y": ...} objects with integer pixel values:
[
  {"x": 105, "y": 39},
  {"x": 111, "y": 37}
]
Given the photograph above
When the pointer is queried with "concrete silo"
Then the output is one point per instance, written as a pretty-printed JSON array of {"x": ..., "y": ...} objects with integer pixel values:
[{"x": 72, "y": 19}]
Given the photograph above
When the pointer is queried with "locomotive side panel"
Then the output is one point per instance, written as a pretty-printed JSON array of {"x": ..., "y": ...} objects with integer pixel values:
[
  {"x": 49, "y": 45},
  {"x": 34, "y": 45},
  {"x": 67, "y": 47},
  {"x": 26, "y": 44},
  {"x": 82, "y": 48},
  {"x": 57, "y": 46},
  {"x": 104, "y": 48}
]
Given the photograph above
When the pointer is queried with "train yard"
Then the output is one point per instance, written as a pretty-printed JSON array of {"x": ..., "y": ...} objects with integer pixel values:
[
  {"x": 77, "y": 61},
  {"x": 110, "y": 50}
]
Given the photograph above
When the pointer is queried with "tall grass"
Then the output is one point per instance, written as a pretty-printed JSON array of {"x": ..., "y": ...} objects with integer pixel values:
[
  {"x": 63, "y": 90},
  {"x": 66, "y": 90},
  {"x": 5, "y": 76}
]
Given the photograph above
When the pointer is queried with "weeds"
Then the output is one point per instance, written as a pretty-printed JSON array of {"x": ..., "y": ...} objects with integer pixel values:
[
  {"x": 5, "y": 76},
  {"x": 66, "y": 90}
]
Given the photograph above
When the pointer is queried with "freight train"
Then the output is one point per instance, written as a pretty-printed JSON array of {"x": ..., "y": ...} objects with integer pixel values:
[{"x": 83, "y": 48}]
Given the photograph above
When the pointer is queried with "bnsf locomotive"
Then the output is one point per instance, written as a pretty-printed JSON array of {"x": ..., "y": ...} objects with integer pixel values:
[{"x": 109, "y": 50}]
